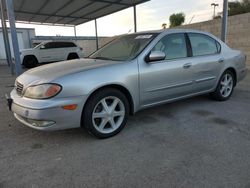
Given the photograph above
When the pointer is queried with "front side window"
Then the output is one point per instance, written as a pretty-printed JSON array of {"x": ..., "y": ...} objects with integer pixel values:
[
  {"x": 124, "y": 48},
  {"x": 203, "y": 45},
  {"x": 173, "y": 45}
]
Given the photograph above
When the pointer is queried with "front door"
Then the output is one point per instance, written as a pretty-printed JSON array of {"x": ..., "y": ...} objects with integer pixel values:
[{"x": 170, "y": 78}]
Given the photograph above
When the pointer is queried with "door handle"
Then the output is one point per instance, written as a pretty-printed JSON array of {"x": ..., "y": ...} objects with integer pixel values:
[
  {"x": 221, "y": 60},
  {"x": 187, "y": 65}
]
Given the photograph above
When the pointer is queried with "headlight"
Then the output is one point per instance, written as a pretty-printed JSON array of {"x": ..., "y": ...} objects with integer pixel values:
[{"x": 43, "y": 91}]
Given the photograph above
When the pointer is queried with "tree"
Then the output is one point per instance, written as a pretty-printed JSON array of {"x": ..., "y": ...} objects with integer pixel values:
[
  {"x": 164, "y": 26},
  {"x": 218, "y": 16},
  {"x": 176, "y": 19},
  {"x": 238, "y": 7}
]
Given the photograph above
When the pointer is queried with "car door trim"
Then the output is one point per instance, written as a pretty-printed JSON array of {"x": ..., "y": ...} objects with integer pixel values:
[
  {"x": 169, "y": 86},
  {"x": 205, "y": 79},
  {"x": 174, "y": 99}
]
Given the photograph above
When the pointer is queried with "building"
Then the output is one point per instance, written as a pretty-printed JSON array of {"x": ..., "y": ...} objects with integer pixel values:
[{"x": 24, "y": 36}]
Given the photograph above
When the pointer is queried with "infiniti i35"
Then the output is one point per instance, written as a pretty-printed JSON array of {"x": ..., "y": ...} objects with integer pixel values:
[{"x": 131, "y": 73}]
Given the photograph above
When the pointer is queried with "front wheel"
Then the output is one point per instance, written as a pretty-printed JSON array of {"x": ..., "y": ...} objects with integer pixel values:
[
  {"x": 225, "y": 86},
  {"x": 30, "y": 61},
  {"x": 106, "y": 112}
]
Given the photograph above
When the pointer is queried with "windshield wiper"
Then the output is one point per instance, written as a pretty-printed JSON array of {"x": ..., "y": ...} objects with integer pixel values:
[{"x": 102, "y": 58}]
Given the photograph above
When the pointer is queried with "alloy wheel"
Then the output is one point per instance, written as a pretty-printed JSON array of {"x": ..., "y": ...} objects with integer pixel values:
[
  {"x": 226, "y": 85},
  {"x": 108, "y": 114}
]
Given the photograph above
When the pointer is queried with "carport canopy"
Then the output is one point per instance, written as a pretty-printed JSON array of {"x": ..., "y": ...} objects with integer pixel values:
[
  {"x": 56, "y": 12},
  {"x": 67, "y": 12}
]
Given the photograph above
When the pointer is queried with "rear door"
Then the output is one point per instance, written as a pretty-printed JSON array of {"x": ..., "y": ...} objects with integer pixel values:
[
  {"x": 61, "y": 51},
  {"x": 169, "y": 78},
  {"x": 49, "y": 53},
  {"x": 64, "y": 49},
  {"x": 206, "y": 61}
]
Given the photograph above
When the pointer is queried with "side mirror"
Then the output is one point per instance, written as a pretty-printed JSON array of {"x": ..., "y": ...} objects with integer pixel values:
[
  {"x": 155, "y": 56},
  {"x": 42, "y": 47}
]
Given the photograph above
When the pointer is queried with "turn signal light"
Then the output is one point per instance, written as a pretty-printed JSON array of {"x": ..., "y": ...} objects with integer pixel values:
[{"x": 70, "y": 107}]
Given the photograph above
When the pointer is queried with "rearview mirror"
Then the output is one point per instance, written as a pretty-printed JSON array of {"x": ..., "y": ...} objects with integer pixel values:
[{"x": 155, "y": 56}]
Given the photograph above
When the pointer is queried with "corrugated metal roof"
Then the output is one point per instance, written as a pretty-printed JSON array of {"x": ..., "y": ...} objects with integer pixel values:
[
  {"x": 67, "y": 12},
  {"x": 65, "y": 38}
]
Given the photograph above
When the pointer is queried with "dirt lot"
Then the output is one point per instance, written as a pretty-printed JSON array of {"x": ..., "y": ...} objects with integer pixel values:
[{"x": 192, "y": 143}]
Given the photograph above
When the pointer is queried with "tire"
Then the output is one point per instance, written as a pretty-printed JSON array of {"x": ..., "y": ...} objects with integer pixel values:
[
  {"x": 100, "y": 119},
  {"x": 227, "y": 81},
  {"x": 30, "y": 61},
  {"x": 72, "y": 56}
]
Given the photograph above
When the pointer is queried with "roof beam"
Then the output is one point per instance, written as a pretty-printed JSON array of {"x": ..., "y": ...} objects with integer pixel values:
[
  {"x": 84, "y": 16},
  {"x": 76, "y": 11},
  {"x": 21, "y": 6},
  {"x": 117, "y": 3},
  {"x": 42, "y": 14},
  {"x": 96, "y": 10},
  {"x": 48, "y": 24},
  {"x": 59, "y": 9},
  {"x": 39, "y": 10}
]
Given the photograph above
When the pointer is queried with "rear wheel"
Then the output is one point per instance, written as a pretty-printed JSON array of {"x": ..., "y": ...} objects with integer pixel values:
[
  {"x": 72, "y": 56},
  {"x": 225, "y": 86},
  {"x": 106, "y": 112},
  {"x": 30, "y": 61}
]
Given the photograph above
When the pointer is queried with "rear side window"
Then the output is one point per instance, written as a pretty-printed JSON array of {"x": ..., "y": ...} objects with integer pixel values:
[
  {"x": 173, "y": 45},
  {"x": 65, "y": 44},
  {"x": 203, "y": 45},
  {"x": 50, "y": 45}
]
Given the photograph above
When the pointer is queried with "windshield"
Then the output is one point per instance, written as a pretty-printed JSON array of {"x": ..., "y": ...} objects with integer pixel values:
[
  {"x": 37, "y": 46},
  {"x": 124, "y": 48}
]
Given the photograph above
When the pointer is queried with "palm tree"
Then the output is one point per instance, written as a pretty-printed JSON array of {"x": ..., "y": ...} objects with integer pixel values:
[{"x": 164, "y": 26}]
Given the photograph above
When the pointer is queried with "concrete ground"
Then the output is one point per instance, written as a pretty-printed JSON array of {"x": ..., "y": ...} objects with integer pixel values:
[{"x": 196, "y": 142}]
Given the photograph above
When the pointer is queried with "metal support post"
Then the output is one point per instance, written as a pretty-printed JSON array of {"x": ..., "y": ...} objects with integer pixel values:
[{"x": 11, "y": 16}]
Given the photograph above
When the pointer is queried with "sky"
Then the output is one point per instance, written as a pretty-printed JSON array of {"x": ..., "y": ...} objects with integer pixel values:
[{"x": 150, "y": 16}]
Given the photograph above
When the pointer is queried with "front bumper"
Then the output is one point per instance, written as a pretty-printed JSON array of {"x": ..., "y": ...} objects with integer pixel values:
[{"x": 48, "y": 113}]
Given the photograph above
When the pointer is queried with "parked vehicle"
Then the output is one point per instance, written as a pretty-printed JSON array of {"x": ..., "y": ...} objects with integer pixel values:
[
  {"x": 131, "y": 73},
  {"x": 50, "y": 52}
]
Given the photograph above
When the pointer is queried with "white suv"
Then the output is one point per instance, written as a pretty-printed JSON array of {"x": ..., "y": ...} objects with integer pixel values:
[{"x": 50, "y": 52}]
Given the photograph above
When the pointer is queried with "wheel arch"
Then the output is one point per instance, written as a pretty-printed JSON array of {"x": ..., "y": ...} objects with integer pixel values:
[
  {"x": 234, "y": 73},
  {"x": 120, "y": 88},
  {"x": 72, "y": 54},
  {"x": 30, "y": 55}
]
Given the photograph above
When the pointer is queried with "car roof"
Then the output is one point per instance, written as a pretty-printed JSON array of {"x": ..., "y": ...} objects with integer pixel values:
[
  {"x": 59, "y": 41},
  {"x": 171, "y": 31}
]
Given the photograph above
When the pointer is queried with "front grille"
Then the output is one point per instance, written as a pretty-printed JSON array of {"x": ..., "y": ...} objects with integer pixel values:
[{"x": 19, "y": 88}]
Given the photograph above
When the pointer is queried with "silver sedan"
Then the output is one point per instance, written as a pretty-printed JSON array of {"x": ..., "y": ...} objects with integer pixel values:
[{"x": 131, "y": 73}]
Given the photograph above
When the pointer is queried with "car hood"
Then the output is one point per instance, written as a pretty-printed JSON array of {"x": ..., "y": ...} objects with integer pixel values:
[
  {"x": 50, "y": 72},
  {"x": 26, "y": 50}
]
